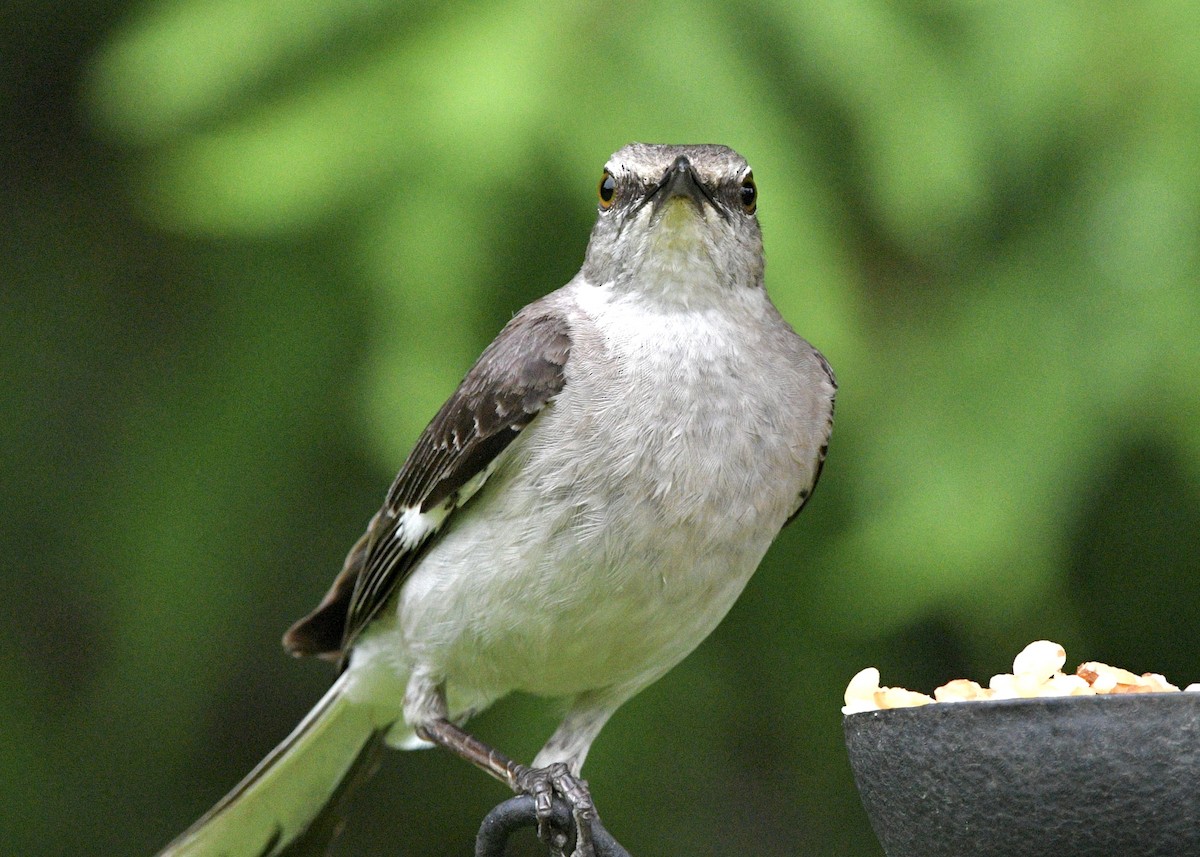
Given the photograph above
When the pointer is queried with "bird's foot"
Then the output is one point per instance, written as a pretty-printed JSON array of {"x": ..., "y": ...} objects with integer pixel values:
[{"x": 543, "y": 784}]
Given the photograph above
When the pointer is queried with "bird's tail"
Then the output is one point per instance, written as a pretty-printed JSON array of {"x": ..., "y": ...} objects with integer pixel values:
[{"x": 288, "y": 804}]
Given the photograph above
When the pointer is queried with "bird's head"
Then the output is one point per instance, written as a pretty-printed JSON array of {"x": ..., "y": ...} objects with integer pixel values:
[{"x": 676, "y": 218}]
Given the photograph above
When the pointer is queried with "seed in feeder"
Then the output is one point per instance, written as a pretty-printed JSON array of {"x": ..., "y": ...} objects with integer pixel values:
[
  {"x": 1040, "y": 660},
  {"x": 1037, "y": 671},
  {"x": 961, "y": 690},
  {"x": 1106, "y": 679},
  {"x": 898, "y": 697},
  {"x": 860, "y": 693},
  {"x": 1066, "y": 685}
]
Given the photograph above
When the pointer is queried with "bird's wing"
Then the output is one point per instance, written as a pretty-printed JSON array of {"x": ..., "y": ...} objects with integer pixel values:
[
  {"x": 807, "y": 493},
  {"x": 514, "y": 378}
]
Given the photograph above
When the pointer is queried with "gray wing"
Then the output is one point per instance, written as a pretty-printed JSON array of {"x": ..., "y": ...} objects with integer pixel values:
[
  {"x": 807, "y": 493},
  {"x": 514, "y": 378}
]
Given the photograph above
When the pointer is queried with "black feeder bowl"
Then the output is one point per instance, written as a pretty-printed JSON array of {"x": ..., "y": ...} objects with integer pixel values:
[{"x": 1083, "y": 776}]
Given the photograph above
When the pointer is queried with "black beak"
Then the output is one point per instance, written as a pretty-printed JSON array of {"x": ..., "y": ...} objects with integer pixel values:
[{"x": 680, "y": 180}]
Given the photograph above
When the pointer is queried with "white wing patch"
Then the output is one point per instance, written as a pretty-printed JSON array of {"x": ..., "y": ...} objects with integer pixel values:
[{"x": 414, "y": 526}]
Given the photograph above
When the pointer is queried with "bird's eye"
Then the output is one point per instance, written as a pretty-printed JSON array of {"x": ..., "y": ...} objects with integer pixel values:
[
  {"x": 748, "y": 194},
  {"x": 608, "y": 190}
]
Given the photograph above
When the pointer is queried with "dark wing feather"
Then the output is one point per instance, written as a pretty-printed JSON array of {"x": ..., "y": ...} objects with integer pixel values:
[{"x": 511, "y": 382}]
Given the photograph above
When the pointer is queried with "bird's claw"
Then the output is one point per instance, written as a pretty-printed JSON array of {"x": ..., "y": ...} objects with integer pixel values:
[{"x": 542, "y": 784}]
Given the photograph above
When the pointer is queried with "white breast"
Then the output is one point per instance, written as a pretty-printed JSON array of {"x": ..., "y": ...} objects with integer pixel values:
[{"x": 627, "y": 518}]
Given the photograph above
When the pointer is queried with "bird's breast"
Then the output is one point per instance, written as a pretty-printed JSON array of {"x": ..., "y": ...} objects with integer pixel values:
[
  {"x": 674, "y": 436},
  {"x": 625, "y": 520}
]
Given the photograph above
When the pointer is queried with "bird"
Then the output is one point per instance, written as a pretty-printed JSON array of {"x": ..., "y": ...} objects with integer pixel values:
[{"x": 579, "y": 515}]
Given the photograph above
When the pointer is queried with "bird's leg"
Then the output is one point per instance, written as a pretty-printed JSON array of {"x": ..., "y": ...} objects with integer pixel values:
[
  {"x": 555, "y": 771},
  {"x": 540, "y": 783},
  {"x": 426, "y": 708},
  {"x": 466, "y": 746},
  {"x": 560, "y": 760}
]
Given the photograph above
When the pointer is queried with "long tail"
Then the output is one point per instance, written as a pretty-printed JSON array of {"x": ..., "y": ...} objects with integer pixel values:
[{"x": 287, "y": 805}]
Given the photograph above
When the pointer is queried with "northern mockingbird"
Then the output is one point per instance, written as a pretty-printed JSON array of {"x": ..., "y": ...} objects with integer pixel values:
[{"x": 578, "y": 516}]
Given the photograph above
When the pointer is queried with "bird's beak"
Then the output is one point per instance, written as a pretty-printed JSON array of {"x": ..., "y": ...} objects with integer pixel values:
[{"x": 680, "y": 181}]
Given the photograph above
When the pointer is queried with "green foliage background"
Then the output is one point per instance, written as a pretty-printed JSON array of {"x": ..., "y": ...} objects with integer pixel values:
[{"x": 248, "y": 246}]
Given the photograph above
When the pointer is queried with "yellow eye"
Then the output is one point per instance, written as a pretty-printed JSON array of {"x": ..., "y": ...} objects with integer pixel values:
[
  {"x": 608, "y": 190},
  {"x": 748, "y": 194}
]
